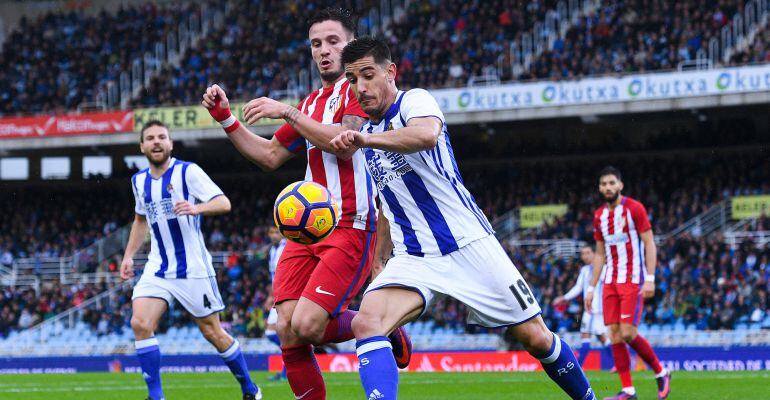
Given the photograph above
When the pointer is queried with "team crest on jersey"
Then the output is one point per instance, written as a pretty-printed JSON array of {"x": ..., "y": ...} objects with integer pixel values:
[
  {"x": 390, "y": 126},
  {"x": 170, "y": 188},
  {"x": 334, "y": 104}
]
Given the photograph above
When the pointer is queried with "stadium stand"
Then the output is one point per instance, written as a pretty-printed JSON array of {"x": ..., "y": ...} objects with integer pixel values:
[
  {"x": 467, "y": 42},
  {"x": 59, "y": 60}
]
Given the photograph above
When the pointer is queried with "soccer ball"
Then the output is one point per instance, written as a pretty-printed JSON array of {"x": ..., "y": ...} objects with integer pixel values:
[{"x": 305, "y": 212}]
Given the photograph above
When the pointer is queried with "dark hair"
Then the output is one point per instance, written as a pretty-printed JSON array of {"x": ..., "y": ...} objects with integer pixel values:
[
  {"x": 364, "y": 47},
  {"x": 610, "y": 170},
  {"x": 588, "y": 245},
  {"x": 150, "y": 124},
  {"x": 341, "y": 15}
]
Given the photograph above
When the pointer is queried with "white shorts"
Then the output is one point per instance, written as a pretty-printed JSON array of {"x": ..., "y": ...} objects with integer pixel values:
[
  {"x": 593, "y": 323},
  {"x": 272, "y": 317},
  {"x": 199, "y": 296},
  {"x": 480, "y": 275}
]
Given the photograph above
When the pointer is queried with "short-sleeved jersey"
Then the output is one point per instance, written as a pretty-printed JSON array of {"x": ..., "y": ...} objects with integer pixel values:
[
  {"x": 620, "y": 229},
  {"x": 275, "y": 254},
  {"x": 431, "y": 213},
  {"x": 177, "y": 248},
  {"x": 347, "y": 180},
  {"x": 583, "y": 283}
]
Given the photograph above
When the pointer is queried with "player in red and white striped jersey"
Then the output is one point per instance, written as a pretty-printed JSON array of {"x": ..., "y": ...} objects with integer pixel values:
[
  {"x": 314, "y": 284},
  {"x": 624, "y": 241}
]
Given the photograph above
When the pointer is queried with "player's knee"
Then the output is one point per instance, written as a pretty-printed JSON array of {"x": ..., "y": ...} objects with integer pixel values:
[
  {"x": 535, "y": 337},
  {"x": 142, "y": 326},
  {"x": 366, "y": 325},
  {"x": 309, "y": 329},
  {"x": 627, "y": 335}
]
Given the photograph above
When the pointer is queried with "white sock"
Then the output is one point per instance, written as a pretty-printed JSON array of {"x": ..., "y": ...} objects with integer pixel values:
[
  {"x": 662, "y": 373},
  {"x": 630, "y": 390}
]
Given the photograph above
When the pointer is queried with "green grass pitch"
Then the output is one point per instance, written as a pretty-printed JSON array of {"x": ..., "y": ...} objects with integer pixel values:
[{"x": 344, "y": 386}]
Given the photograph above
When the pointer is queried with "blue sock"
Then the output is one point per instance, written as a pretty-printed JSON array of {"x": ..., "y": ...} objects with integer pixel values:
[
  {"x": 149, "y": 358},
  {"x": 562, "y": 367},
  {"x": 237, "y": 364},
  {"x": 283, "y": 372},
  {"x": 585, "y": 347},
  {"x": 607, "y": 360},
  {"x": 379, "y": 374},
  {"x": 273, "y": 337}
]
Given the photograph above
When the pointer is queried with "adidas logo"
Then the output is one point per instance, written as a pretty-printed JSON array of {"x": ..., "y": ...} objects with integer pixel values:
[{"x": 375, "y": 394}]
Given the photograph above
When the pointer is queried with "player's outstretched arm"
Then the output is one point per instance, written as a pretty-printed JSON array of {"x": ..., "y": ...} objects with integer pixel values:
[
  {"x": 267, "y": 154},
  {"x": 384, "y": 246},
  {"x": 419, "y": 134},
  {"x": 217, "y": 206},
  {"x": 598, "y": 264},
  {"x": 574, "y": 292},
  {"x": 315, "y": 132},
  {"x": 139, "y": 230}
]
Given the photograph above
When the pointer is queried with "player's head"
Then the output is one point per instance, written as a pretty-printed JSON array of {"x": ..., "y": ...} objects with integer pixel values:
[
  {"x": 610, "y": 183},
  {"x": 330, "y": 30},
  {"x": 371, "y": 73},
  {"x": 155, "y": 142},
  {"x": 274, "y": 235},
  {"x": 587, "y": 254}
]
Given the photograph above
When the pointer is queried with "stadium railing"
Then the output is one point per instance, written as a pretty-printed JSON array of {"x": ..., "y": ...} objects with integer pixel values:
[
  {"x": 543, "y": 34},
  {"x": 70, "y": 269},
  {"x": 118, "y": 94},
  {"x": 715, "y": 218},
  {"x": 735, "y": 239}
]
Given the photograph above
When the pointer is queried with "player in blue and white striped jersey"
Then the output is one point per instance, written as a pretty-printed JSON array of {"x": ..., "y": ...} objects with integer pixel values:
[
  {"x": 171, "y": 198},
  {"x": 592, "y": 322},
  {"x": 443, "y": 243},
  {"x": 277, "y": 243}
]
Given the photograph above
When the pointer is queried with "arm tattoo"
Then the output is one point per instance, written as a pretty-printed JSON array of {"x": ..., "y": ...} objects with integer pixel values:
[
  {"x": 291, "y": 115},
  {"x": 352, "y": 122}
]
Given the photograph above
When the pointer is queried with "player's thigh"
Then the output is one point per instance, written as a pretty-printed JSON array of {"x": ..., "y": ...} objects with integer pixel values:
[
  {"x": 344, "y": 265},
  {"x": 199, "y": 296},
  {"x": 631, "y": 306},
  {"x": 483, "y": 277},
  {"x": 293, "y": 271},
  {"x": 386, "y": 309},
  {"x": 150, "y": 299},
  {"x": 146, "y": 312},
  {"x": 611, "y": 304}
]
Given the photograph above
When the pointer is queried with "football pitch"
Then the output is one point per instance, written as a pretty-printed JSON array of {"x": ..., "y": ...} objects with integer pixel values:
[{"x": 345, "y": 386}]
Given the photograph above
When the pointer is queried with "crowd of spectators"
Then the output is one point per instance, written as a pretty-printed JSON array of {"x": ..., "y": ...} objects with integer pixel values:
[
  {"x": 693, "y": 269},
  {"x": 53, "y": 63},
  {"x": 56, "y": 61}
]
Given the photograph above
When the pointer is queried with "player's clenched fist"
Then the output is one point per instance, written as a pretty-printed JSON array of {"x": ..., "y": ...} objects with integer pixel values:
[
  {"x": 348, "y": 139},
  {"x": 127, "y": 268},
  {"x": 215, "y": 100}
]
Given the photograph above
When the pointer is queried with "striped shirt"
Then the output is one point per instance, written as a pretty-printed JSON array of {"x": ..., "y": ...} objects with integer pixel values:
[
  {"x": 347, "y": 180},
  {"x": 275, "y": 255},
  {"x": 177, "y": 248},
  {"x": 431, "y": 213},
  {"x": 620, "y": 229}
]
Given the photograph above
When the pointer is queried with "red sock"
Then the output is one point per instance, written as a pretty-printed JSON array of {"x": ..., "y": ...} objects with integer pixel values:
[
  {"x": 303, "y": 373},
  {"x": 622, "y": 363},
  {"x": 643, "y": 348},
  {"x": 338, "y": 330}
]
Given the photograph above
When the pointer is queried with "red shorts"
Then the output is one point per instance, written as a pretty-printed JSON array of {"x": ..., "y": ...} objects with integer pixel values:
[
  {"x": 329, "y": 273},
  {"x": 622, "y": 303}
]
